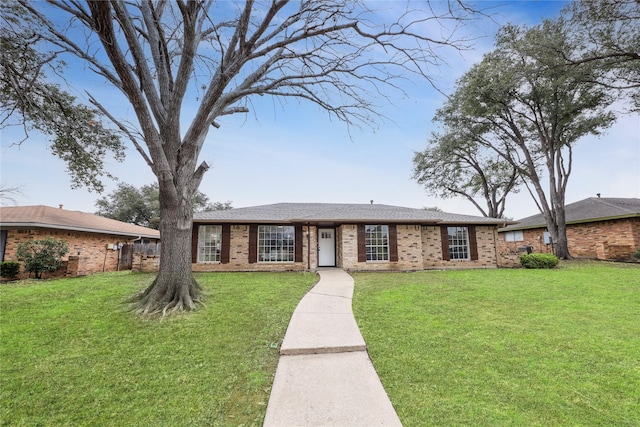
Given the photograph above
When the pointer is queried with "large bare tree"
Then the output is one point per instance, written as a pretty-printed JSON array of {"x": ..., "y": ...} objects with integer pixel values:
[{"x": 341, "y": 55}]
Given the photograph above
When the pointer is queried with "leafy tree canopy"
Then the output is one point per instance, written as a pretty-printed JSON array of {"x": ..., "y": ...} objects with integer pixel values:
[
  {"x": 606, "y": 32},
  {"x": 452, "y": 166},
  {"x": 527, "y": 105},
  {"x": 28, "y": 99}
]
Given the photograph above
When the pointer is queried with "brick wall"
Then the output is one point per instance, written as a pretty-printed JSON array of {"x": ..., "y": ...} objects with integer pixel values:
[
  {"x": 419, "y": 247},
  {"x": 432, "y": 249},
  {"x": 347, "y": 238},
  {"x": 508, "y": 252},
  {"x": 612, "y": 239},
  {"x": 239, "y": 254},
  {"x": 94, "y": 257},
  {"x": 409, "y": 250},
  {"x": 145, "y": 263}
]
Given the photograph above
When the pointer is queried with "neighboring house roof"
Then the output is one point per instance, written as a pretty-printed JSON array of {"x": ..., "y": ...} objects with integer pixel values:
[
  {"x": 587, "y": 210},
  {"x": 58, "y": 218},
  {"x": 337, "y": 213}
]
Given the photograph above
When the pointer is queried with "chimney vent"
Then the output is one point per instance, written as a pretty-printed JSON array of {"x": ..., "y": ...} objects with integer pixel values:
[
  {"x": 371, "y": 201},
  {"x": 60, "y": 206},
  {"x": 598, "y": 194}
]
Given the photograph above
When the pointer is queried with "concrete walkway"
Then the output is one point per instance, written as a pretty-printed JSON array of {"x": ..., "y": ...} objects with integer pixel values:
[{"x": 325, "y": 376}]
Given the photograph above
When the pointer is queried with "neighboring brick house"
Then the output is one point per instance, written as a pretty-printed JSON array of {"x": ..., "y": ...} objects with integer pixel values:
[
  {"x": 95, "y": 243},
  {"x": 597, "y": 228},
  {"x": 304, "y": 236}
]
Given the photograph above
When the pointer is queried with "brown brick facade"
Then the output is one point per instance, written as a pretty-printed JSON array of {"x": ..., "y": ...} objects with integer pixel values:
[
  {"x": 88, "y": 252},
  {"x": 615, "y": 239},
  {"x": 432, "y": 243},
  {"x": 239, "y": 254},
  {"x": 418, "y": 247},
  {"x": 145, "y": 263}
]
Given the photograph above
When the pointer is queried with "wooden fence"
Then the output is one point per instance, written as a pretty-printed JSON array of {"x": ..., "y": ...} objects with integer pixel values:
[{"x": 126, "y": 256}]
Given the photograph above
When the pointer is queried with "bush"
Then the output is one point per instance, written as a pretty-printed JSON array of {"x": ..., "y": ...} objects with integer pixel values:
[
  {"x": 42, "y": 255},
  {"x": 538, "y": 260},
  {"x": 9, "y": 269},
  {"x": 637, "y": 254}
]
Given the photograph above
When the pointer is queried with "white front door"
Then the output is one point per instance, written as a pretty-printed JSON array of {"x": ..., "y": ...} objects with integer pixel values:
[{"x": 326, "y": 247}]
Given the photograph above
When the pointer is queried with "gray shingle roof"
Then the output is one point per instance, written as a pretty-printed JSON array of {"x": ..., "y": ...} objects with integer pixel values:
[
  {"x": 48, "y": 217},
  {"x": 338, "y": 212},
  {"x": 587, "y": 210}
]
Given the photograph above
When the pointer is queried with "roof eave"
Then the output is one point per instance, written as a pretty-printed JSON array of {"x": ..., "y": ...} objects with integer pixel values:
[
  {"x": 496, "y": 224},
  {"x": 80, "y": 229},
  {"x": 348, "y": 221},
  {"x": 607, "y": 218},
  {"x": 580, "y": 221}
]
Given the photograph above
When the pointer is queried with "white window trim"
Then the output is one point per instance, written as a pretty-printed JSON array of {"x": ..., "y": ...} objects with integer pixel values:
[
  {"x": 280, "y": 247},
  {"x": 201, "y": 232},
  {"x": 514, "y": 236},
  {"x": 385, "y": 231},
  {"x": 467, "y": 245}
]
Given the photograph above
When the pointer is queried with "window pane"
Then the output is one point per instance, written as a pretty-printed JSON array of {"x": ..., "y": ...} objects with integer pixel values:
[
  {"x": 458, "y": 243},
  {"x": 276, "y": 243},
  {"x": 514, "y": 236},
  {"x": 209, "y": 243},
  {"x": 377, "y": 242}
]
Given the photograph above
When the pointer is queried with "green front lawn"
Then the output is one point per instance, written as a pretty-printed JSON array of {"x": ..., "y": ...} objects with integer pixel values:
[
  {"x": 507, "y": 347},
  {"x": 70, "y": 355}
]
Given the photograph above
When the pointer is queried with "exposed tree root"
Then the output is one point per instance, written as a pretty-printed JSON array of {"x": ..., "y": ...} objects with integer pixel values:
[{"x": 164, "y": 296}]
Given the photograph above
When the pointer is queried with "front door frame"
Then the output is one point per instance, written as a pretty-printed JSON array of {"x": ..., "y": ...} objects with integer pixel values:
[{"x": 326, "y": 263}]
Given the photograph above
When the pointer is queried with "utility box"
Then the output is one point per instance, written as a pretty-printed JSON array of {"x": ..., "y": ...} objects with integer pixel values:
[
  {"x": 547, "y": 238},
  {"x": 525, "y": 249}
]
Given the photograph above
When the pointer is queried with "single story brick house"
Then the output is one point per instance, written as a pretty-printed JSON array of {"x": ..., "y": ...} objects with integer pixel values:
[
  {"x": 304, "y": 236},
  {"x": 597, "y": 228},
  {"x": 95, "y": 243}
]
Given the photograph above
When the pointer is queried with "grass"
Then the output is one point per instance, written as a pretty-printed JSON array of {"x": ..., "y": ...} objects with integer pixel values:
[
  {"x": 71, "y": 355},
  {"x": 506, "y": 347}
]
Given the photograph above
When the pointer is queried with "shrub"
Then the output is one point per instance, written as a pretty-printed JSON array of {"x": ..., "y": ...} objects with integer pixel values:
[
  {"x": 42, "y": 255},
  {"x": 637, "y": 254},
  {"x": 9, "y": 269},
  {"x": 538, "y": 260}
]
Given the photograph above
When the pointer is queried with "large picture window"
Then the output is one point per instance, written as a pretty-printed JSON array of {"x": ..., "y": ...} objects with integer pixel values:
[
  {"x": 458, "y": 242},
  {"x": 209, "y": 243},
  {"x": 377, "y": 242},
  {"x": 276, "y": 243}
]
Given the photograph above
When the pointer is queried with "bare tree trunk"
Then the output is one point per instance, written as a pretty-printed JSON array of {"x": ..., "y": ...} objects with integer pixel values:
[
  {"x": 164, "y": 56},
  {"x": 562, "y": 243},
  {"x": 174, "y": 289}
]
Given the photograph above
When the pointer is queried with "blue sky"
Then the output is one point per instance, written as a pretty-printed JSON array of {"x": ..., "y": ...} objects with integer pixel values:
[{"x": 297, "y": 153}]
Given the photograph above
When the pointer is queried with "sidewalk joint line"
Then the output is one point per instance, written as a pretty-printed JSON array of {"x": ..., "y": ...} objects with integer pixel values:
[{"x": 329, "y": 295}]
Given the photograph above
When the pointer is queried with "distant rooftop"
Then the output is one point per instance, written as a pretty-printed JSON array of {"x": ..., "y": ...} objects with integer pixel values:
[
  {"x": 48, "y": 217},
  {"x": 587, "y": 210},
  {"x": 339, "y": 212}
]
